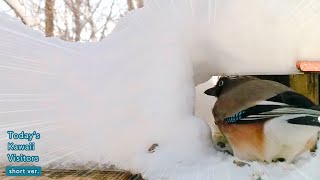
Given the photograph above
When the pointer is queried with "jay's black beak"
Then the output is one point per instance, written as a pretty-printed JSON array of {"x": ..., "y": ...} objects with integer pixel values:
[{"x": 211, "y": 92}]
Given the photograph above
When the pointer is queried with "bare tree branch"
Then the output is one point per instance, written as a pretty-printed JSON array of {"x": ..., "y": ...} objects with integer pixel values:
[
  {"x": 20, "y": 11},
  {"x": 108, "y": 18},
  {"x": 49, "y": 12}
]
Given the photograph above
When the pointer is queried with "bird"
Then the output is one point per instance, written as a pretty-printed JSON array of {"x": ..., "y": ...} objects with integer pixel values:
[{"x": 264, "y": 120}]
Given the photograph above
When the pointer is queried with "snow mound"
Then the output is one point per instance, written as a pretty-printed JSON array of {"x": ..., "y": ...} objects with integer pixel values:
[
  {"x": 241, "y": 37},
  {"x": 108, "y": 102}
]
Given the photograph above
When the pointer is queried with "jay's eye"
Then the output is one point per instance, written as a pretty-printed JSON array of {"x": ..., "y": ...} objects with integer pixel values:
[{"x": 220, "y": 83}]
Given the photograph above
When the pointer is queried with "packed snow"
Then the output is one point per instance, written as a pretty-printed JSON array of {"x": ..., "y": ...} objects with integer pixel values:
[{"x": 107, "y": 103}]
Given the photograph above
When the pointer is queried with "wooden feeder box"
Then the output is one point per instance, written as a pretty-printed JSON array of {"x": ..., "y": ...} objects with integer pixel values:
[{"x": 308, "y": 82}]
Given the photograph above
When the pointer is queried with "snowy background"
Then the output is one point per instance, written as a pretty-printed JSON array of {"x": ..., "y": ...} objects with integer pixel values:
[{"x": 106, "y": 103}]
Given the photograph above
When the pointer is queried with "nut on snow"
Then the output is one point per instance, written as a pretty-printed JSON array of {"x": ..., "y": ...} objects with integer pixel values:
[{"x": 152, "y": 148}]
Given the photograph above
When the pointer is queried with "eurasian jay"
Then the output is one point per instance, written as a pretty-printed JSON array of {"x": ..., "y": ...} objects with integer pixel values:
[{"x": 264, "y": 120}]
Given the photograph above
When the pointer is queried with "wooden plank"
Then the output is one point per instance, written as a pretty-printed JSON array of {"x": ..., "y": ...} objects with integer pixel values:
[
  {"x": 308, "y": 66},
  {"x": 306, "y": 84},
  {"x": 80, "y": 175}
]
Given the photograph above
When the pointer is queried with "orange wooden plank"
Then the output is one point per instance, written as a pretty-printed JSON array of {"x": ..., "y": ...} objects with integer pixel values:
[
  {"x": 308, "y": 66},
  {"x": 79, "y": 175}
]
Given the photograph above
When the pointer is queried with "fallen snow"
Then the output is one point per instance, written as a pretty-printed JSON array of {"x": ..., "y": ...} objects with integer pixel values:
[{"x": 108, "y": 102}]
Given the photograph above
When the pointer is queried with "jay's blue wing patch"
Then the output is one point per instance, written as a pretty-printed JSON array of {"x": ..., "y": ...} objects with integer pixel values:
[
  {"x": 235, "y": 118},
  {"x": 253, "y": 114}
]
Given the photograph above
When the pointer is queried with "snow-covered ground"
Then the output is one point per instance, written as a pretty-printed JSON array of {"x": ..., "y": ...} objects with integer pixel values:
[{"x": 108, "y": 102}]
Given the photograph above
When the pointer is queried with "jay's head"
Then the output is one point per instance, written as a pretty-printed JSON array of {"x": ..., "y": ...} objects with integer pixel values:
[{"x": 226, "y": 83}]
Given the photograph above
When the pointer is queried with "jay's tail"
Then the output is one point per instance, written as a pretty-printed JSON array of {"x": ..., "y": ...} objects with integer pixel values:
[
  {"x": 305, "y": 120},
  {"x": 310, "y": 120}
]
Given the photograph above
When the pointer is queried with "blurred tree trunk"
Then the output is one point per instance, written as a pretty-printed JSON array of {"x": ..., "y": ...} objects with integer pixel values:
[
  {"x": 130, "y": 5},
  {"x": 78, "y": 24},
  {"x": 139, "y": 3},
  {"x": 49, "y": 12}
]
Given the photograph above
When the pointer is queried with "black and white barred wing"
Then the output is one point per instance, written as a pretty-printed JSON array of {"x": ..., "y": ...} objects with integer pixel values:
[{"x": 287, "y": 103}]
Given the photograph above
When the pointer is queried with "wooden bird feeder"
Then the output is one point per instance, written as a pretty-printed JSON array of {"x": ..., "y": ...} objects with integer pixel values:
[{"x": 308, "y": 82}]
